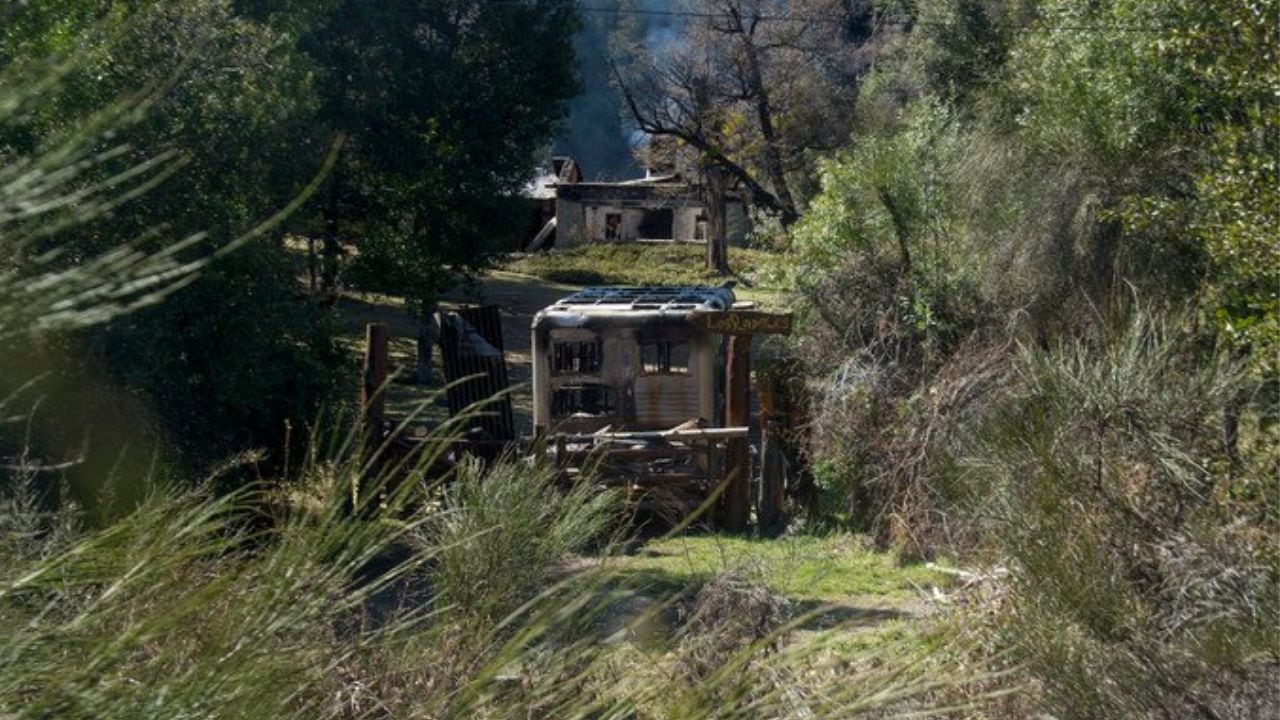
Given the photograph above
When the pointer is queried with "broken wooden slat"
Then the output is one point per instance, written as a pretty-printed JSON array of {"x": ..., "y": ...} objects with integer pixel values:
[
  {"x": 724, "y": 433},
  {"x": 468, "y": 353},
  {"x": 541, "y": 238},
  {"x": 487, "y": 320},
  {"x": 632, "y": 453}
]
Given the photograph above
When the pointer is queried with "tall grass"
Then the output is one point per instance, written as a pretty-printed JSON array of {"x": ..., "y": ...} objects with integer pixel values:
[
  {"x": 1142, "y": 553},
  {"x": 196, "y": 605},
  {"x": 504, "y": 531}
]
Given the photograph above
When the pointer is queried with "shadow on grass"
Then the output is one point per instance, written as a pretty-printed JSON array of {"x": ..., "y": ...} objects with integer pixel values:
[
  {"x": 676, "y": 591},
  {"x": 354, "y": 312}
]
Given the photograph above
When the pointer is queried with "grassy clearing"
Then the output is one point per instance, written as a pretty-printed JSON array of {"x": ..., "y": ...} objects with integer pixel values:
[
  {"x": 403, "y": 395},
  {"x": 644, "y": 264},
  {"x": 863, "y": 602},
  {"x": 809, "y": 569}
]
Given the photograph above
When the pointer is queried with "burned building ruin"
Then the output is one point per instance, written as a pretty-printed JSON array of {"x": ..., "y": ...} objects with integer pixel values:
[{"x": 658, "y": 207}]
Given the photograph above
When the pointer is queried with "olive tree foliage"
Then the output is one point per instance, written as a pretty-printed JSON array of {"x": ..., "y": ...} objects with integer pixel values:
[
  {"x": 1167, "y": 110},
  {"x": 751, "y": 88},
  {"x": 1051, "y": 156}
]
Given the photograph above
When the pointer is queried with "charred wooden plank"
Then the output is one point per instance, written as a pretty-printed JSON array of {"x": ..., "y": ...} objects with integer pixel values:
[
  {"x": 476, "y": 372},
  {"x": 722, "y": 433}
]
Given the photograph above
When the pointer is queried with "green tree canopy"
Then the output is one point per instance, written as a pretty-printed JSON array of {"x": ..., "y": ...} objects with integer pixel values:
[{"x": 446, "y": 107}]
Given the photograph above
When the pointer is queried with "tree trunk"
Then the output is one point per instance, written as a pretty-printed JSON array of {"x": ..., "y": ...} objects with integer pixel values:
[
  {"x": 428, "y": 335},
  {"x": 772, "y": 157},
  {"x": 331, "y": 245},
  {"x": 313, "y": 265},
  {"x": 717, "y": 232},
  {"x": 764, "y": 115}
]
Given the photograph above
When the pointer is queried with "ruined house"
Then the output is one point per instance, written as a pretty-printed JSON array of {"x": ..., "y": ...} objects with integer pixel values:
[
  {"x": 657, "y": 207},
  {"x": 626, "y": 358}
]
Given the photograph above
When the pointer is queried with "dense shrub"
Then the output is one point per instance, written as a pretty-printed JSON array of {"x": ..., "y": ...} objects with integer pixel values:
[
  {"x": 173, "y": 120},
  {"x": 226, "y": 364},
  {"x": 982, "y": 381},
  {"x": 503, "y": 532},
  {"x": 1027, "y": 167},
  {"x": 1141, "y": 548}
]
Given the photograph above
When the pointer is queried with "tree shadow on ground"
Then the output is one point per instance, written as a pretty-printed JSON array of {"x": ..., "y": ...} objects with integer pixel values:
[{"x": 678, "y": 590}]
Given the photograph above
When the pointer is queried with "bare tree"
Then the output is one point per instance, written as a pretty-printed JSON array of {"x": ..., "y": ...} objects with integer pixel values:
[
  {"x": 717, "y": 224},
  {"x": 749, "y": 86}
]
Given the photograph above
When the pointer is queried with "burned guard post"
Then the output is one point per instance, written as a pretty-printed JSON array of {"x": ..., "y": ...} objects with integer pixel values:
[{"x": 636, "y": 376}]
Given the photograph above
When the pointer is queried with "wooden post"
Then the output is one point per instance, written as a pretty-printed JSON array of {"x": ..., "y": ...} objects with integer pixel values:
[
  {"x": 739, "y": 326},
  {"x": 737, "y": 413},
  {"x": 372, "y": 397},
  {"x": 772, "y": 463}
]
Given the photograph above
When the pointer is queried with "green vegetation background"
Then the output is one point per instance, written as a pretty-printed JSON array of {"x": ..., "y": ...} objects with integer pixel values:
[{"x": 1037, "y": 293}]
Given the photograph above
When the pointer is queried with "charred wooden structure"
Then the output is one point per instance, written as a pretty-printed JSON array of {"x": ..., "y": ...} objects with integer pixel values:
[
  {"x": 566, "y": 210},
  {"x": 629, "y": 358},
  {"x": 625, "y": 378},
  {"x": 645, "y": 388}
]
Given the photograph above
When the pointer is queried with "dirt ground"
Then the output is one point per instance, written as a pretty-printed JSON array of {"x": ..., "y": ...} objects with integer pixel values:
[{"x": 519, "y": 298}]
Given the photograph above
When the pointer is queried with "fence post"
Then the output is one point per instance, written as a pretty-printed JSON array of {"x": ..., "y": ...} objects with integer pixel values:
[
  {"x": 372, "y": 395},
  {"x": 737, "y": 413},
  {"x": 772, "y": 461}
]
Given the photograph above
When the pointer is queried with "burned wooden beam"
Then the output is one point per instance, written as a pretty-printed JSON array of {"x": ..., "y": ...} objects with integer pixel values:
[
  {"x": 772, "y": 458},
  {"x": 736, "y": 501},
  {"x": 376, "y": 362},
  {"x": 720, "y": 433}
]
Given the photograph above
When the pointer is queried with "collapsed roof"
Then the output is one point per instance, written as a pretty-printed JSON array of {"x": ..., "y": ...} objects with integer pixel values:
[{"x": 614, "y": 305}]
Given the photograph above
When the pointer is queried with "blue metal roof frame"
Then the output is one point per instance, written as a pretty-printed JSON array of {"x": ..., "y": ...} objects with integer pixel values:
[{"x": 648, "y": 298}]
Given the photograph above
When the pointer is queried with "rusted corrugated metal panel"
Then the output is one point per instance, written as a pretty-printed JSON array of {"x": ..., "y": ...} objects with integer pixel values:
[
  {"x": 487, "y": 320},
  {"x": 665, "y": 401},
  {"x": 470, "y": 352}
]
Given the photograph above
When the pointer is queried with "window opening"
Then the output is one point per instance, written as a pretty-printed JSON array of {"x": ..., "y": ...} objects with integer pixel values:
[
  {"x": 612, "y": 226},
  {"x": 700, "y": 226},
  {"x": 583, "y": 400},
  {"x": 665, "y": 357},
  {"x": 577, "y": 358},
  {"x": 657, "y": 224}
]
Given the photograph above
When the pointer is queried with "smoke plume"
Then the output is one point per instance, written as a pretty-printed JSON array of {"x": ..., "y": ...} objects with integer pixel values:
[{"x": 596, "y": 133}]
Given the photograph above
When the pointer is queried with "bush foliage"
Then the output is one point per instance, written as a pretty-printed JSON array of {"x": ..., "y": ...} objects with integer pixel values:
[{"x": 1030, "y": 338}]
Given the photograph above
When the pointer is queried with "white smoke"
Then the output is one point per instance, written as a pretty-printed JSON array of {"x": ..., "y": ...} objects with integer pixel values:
[{"x": 595, "y": 133}]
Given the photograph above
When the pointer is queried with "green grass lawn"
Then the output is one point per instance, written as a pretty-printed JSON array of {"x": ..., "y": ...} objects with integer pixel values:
[
  {"x": 835, "y": 569},
  {"x": 646, "y": 264}
]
